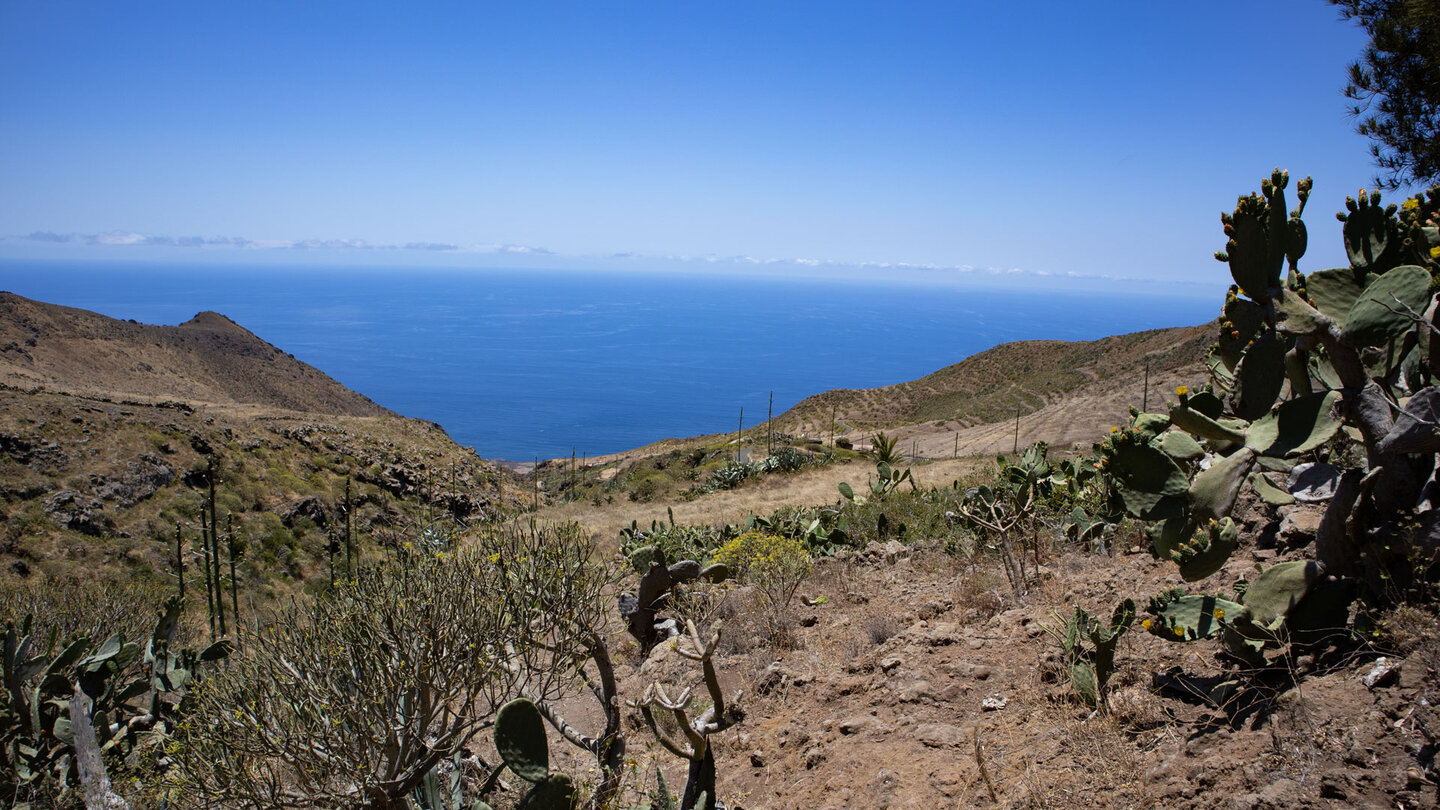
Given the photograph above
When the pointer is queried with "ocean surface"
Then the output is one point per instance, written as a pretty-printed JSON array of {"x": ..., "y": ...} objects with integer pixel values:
[{"x": 520, "y": 364}]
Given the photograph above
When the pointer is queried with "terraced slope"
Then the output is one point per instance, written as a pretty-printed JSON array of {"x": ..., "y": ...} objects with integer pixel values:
[{"x": 1025, "y": 376}]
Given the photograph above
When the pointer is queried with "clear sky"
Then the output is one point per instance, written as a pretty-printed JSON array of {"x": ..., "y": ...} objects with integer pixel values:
[{"x": 1026, "y": 139}]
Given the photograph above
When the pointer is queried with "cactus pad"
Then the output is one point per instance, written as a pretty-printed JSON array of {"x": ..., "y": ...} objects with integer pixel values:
[
  {"x": 1207, "y": 550},
  {"x": 1297, "y": 426},
  {"x": 1203, "y": 425},
  {"x": 1178, "y": 445},
  {"x": 520, "y": 739},
  {"x": 1150, "y": 484},
  {"x": 554, "y": 792},
  {"x": 1377, "y": 314},
  {"x": 1335, "y": 291},
  {"x": 1279, "y": 588},
  {"x": 1187, "y": 617},
  {"x": 1213, "y": 492},
  {"x": 1366, "y": 231},
  {"x": 1259, "y": 377}
]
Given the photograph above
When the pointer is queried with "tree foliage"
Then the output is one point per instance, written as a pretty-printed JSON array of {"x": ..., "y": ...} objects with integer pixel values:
[{"x": 1395, "y": 87}]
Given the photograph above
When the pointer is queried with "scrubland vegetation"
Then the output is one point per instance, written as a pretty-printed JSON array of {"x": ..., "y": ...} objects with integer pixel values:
[{"x": 450, "y": 663}]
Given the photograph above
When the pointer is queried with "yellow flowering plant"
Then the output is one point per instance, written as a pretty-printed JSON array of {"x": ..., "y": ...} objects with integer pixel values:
[{"x": 774, "y": 565}]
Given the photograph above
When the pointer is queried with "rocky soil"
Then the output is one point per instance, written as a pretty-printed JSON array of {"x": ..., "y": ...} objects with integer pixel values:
[{"x": 922, "y": 681}]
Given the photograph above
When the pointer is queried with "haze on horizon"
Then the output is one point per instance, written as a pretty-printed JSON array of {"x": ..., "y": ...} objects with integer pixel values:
[{"x": 1050, "y": 139}]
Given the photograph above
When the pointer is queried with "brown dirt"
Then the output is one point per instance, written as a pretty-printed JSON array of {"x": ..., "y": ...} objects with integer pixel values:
[{"x": 880, "y": 704}]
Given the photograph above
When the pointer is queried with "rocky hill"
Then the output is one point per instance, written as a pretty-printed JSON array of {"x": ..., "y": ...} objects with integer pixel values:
[
  {"x": 107, "y": 428},
  {"x": 209, "y": 359}
]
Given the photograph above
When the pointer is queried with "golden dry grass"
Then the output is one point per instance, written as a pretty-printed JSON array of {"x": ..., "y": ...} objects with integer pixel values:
[{"x": 761, "y": 496}]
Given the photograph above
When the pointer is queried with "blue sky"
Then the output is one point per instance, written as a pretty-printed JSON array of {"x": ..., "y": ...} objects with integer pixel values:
[{"x": 945, "y": 140}]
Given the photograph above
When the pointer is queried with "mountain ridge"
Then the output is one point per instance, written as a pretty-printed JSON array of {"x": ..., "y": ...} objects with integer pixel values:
[{"x": 209, "y": 359}]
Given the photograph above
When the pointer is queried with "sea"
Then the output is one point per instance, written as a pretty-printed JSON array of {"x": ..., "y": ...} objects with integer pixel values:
[{"x": 526, "y": 364}]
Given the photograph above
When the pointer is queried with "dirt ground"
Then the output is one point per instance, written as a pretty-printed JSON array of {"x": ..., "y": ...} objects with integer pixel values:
[{"x": 882, "y": 702}]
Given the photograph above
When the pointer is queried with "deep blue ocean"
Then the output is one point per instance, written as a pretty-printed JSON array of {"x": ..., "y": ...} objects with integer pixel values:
[{"x": 520, "y": 364}]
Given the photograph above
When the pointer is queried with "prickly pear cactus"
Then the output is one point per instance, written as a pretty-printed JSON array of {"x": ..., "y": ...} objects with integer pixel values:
[
  {"x": 1300, "y": 360},
  {"x": 520, "y": 739},
  {"x": 1090, "y": 668}
]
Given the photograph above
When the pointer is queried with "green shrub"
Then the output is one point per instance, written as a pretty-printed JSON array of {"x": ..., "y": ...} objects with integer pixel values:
[{"x": 774, "y": 565}]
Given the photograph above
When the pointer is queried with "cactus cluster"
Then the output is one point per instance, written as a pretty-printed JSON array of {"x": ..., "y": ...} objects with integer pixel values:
[
  {"x": 691, "y": 740},
  {"x": 1090, "y": 668},
  {"x": 1007, "y": 507},
  {"x": 641, "y": 610},
  {"x": 1290, "y": 602},
  {"x": 520, "y": 739},
  {"x": 1302, "y": 361},
  {"x": 37, "y": 736},
  {"x": 886, "y": 480}
]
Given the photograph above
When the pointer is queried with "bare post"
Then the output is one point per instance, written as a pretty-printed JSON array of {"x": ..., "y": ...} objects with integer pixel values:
[
  {"x": 1017, "y": 430},
  {"x": 234, "y": 583},
  {"x": 349, "y": 543},
  {"x": 209, "y": 579},
  {"x": 1145, "y": 396},
  {"x": 738, "y": 428},
  {"x": 179, "y": 562}
]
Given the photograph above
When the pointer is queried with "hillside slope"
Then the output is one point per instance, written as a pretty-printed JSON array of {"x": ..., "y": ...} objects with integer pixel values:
[
  {"x": 107, "y": 428},
  {"x": 992, "y": 385},
  {"x": 209, "y": 359}
]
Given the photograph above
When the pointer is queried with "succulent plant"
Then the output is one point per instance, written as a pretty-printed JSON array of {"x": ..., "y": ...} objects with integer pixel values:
[
  {"x": 1090, "y": 668},
  {"x": 1300, "y": 360},
  {"x": 520, "y": 739},
  {"x": 37, "y": 741}
]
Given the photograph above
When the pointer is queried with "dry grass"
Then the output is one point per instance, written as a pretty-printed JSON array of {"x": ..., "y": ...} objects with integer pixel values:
[{"x": 812, "y": 486}]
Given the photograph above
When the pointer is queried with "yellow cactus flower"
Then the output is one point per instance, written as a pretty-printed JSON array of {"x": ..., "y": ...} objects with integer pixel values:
[
  {"x": 1145, "y": 624},
  {"x": 1410, "y": 204},
  {"x": 1219, "y": 613},
  {"x": 1183, "y": 390},
  {"x": 1435, "y": 252},
  {"x": 1114, "y": 429},
  {"x": 1180, "y": 632}
]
